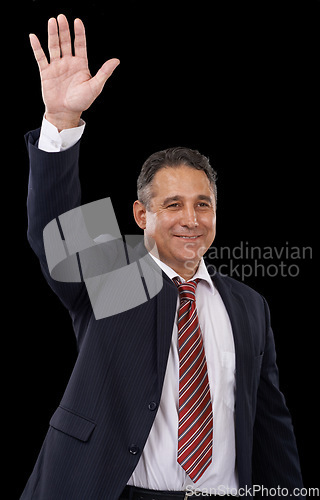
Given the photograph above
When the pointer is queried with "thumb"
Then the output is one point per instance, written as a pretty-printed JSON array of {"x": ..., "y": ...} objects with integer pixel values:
[{"x": 106, "y": 70}]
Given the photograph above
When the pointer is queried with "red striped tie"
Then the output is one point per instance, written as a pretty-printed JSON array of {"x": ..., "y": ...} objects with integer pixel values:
[{"x": 195, "y": 408}]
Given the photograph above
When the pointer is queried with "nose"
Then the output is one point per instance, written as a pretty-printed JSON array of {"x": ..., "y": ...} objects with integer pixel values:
[{"x": 189, "y": 218}]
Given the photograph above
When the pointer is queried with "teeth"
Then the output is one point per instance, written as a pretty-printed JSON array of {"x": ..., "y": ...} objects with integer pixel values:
[{"x": 188, "y": 237}]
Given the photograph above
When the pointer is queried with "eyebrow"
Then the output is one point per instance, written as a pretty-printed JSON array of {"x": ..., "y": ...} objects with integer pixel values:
[{"x": 202, "y": 197}]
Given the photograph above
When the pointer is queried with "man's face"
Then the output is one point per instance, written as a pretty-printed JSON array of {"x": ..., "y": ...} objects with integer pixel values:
[{"x": 181, "y": 219}]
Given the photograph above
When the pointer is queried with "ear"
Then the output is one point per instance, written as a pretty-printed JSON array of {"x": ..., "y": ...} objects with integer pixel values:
[{"x": 140, "y": 214}]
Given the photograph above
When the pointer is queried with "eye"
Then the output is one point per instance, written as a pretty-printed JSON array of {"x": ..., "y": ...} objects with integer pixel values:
[
  {"x": 173, "y": 205},
  {"x": 203, "y": 204}
]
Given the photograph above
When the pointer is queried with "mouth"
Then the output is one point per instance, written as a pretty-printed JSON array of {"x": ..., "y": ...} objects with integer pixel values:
[{"x": 188, "y": 237}]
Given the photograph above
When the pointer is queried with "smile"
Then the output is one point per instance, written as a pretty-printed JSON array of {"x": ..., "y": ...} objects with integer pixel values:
[{"x": 187, "y": 237}]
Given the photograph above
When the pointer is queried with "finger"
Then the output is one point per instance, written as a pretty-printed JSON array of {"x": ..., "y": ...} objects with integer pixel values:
[
  {"x": 98, "y": 81},
  {"x": 38, "y": 52},
  {"x": 64, "y": 35},
  {"x": 53, "y": 39},
  {"x": 80, "y": 44}
]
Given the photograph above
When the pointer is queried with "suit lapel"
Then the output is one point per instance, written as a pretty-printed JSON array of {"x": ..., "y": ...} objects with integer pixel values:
[
  {"x": 165, "y": 303},
  {"x": 243, "y": 339},
  {"x": 166, "y": 310},
  {"x": 238, "y": 314}
]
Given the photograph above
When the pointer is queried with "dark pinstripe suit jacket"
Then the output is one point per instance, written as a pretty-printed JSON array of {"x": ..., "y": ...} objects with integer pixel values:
[{"x": 98, "y": 432}]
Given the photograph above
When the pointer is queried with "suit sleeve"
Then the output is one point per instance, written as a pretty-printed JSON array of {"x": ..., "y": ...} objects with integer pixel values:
[
  {"x": 54, "y": 188},
  {"x": 275, "y": 456}
]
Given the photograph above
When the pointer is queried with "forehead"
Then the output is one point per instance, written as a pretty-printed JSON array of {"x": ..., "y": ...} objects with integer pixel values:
[{"x": 183, "y": 181}]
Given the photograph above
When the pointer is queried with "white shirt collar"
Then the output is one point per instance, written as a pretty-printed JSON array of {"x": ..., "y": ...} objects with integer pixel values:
[{"x": 202, "y": 273}]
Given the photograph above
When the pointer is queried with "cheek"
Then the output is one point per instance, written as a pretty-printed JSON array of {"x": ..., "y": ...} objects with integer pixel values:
[
  {"x": 152, "y": 223},
  {"x": 159, "y": 224},
  {"x": 208, "y": 222}
]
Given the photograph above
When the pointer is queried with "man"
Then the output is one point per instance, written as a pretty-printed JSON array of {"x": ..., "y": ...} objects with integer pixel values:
[{"x": 177, "y": 397}]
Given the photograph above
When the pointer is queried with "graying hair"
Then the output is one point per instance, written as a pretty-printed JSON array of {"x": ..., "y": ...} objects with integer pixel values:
[{"x": 172, "y": 157}]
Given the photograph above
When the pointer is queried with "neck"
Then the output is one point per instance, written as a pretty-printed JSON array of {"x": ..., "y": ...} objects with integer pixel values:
[{"x": 186, "y": 272}]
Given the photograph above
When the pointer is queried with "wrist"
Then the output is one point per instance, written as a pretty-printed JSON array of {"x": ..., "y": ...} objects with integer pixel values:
[{"x": 63, "y": 120}]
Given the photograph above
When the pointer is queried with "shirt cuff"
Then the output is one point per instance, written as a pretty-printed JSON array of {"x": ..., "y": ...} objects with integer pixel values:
[{"x": 52, "y": 141}]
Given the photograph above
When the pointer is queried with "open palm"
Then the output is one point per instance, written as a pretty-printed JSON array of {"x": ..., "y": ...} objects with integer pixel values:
[{"x": 67, "y": 85}]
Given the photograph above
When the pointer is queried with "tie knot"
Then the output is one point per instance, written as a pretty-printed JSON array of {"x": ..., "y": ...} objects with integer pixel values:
[{"x": 187, "y": 290}]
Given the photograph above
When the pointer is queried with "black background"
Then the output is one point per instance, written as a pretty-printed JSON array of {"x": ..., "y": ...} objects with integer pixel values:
[{"x": 236, "y": 80}]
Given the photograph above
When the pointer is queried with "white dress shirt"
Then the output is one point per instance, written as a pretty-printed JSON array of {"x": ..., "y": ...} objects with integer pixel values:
[
  {"x": 53, "y": 141},
  {"x": 158, "y": 468}
]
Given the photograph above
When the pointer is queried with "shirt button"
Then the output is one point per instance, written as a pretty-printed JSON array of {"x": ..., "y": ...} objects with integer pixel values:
[
  {"x": 134, "y": 449},
  {"x": 152, "y": 405}
]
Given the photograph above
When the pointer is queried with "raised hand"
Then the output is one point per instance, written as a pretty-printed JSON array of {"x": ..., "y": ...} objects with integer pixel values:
[{"x": 68, "y": 88}]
